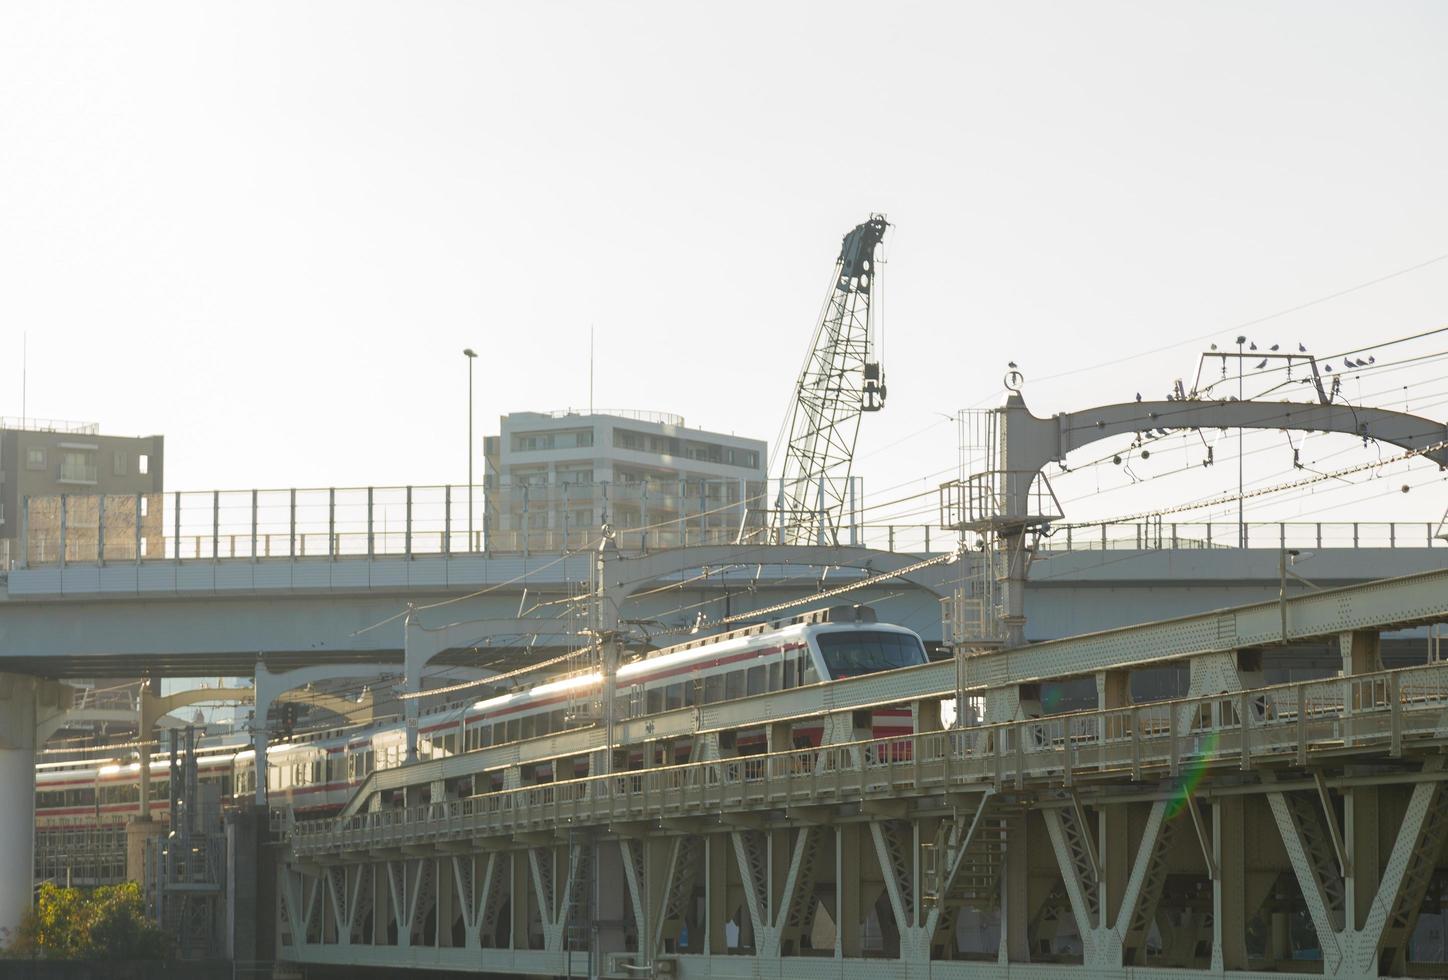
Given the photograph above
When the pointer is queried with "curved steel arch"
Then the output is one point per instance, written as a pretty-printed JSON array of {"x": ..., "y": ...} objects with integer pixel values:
[
  {"x": 1030, "y": 442},
  {"x": 1027, "y": 443}
]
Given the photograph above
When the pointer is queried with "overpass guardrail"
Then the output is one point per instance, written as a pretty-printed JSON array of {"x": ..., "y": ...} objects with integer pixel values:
[{"x": 414, "y": 521}]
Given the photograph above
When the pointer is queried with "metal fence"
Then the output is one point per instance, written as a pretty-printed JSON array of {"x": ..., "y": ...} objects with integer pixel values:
[
  {"x": 1286, "y": 723},
  {"x": 341, "y": 522}
]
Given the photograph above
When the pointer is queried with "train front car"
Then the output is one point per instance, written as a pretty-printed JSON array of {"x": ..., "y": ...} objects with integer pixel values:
[{"x": 849, "y": 641}]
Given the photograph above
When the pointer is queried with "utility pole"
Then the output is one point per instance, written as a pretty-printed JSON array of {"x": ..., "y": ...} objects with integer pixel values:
[
  {"x": 1241, "y": 519},
  {"x": 471, "y": 355}
]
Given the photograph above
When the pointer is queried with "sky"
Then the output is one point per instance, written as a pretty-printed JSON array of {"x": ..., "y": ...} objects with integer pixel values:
[{"x": 267, "y": 230}]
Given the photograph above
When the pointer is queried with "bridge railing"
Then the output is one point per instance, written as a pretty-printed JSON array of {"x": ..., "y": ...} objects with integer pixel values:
[
  {"x": 1379, "y": 711},
  {"x": 415, "y": 521}
]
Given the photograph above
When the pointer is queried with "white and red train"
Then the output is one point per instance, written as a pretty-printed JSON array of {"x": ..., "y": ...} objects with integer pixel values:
[{"x": 316, "y": 774}]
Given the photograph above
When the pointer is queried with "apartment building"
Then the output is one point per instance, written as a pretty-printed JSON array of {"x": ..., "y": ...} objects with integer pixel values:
[
  {"x": 552, "y": 479},
  {"x": 115, "y": 481}
]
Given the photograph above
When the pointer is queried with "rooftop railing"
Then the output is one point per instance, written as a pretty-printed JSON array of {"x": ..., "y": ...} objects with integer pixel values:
[
  {"x": 637, "y": 414},
  {"x": 409, "y": 522},
  {"x": 30, "y": 424}
]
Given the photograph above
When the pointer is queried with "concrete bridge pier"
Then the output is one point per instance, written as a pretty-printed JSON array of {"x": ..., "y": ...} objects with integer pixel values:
[{"x": 18, "y": 707}]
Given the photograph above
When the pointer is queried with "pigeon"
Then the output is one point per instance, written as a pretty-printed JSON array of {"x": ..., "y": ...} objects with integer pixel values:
[
  {"x": 1214, "y": 347},
  {"x": 1274, "y": 346},
  {"x": 1010, "y": 364},
  {"x": 1301, "y": 347},
  {"x": 1327, "y": 368},
  {"x": 1252, "y": 346},
  {"x": 1262, "y": 364},
  {"x": 1372, "y": 360},
  {"x": 1138, "y": 396}
]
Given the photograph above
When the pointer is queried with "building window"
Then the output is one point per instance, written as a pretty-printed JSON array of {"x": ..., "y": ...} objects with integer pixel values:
[
  {"x": 35, "y": 459},
  {"x": 77, "y": 467},
  {"x": 143, "y": 464},
  {"x": 118, "y": 464}
]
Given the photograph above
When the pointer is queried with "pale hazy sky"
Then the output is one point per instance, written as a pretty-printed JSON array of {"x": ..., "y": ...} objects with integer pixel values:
[{"x": 268, "y": 230}]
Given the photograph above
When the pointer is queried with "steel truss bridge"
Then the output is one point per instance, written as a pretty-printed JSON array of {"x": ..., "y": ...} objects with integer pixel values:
[{"x": 1243, "y": 827}]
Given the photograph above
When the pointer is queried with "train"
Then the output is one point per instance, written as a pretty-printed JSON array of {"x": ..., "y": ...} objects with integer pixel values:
[{"x": 314, "y": 775}]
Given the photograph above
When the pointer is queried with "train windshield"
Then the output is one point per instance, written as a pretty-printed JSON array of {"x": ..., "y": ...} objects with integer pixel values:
[{"x": 850, "y": 653}]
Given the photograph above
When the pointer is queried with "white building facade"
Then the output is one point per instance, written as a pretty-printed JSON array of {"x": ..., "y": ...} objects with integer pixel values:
[{"x": 553, "y": 479}]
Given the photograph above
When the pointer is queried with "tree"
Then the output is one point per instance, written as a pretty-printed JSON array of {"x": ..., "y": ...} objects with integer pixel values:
[{"x": 109, "y": 922}]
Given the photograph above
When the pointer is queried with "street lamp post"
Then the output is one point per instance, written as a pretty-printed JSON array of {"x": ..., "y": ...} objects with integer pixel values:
[{"x": 471, "y": 355}]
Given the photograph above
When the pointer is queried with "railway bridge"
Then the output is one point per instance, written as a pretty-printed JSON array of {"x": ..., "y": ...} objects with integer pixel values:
[{"x": 1237, "y": 827}]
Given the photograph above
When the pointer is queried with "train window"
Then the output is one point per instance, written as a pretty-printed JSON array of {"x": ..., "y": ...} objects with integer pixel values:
[
  {"x": 754, "y": 680},
  {"x": 713, "y": 688},
  {"x": 855, "y": 652},
  {"x": 558, "y": 720},
  {"x": 485, "y": 736},
  {"x": 528, "y": 727},
  {"x": 674, "y": 696},
  {"x": 654, "y": 701},
  {"x": 500, "y": 733},
  {"x": 774, "y": 670},
  {"x": 734, "y": 685},
  {"x": 513, "y": 729},
  {"x": 790, "y": 677},
  {"x": 692, "y": 690}
]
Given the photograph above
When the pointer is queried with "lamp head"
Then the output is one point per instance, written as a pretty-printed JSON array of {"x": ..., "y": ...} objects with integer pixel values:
[{"x": 469, "y": 352}]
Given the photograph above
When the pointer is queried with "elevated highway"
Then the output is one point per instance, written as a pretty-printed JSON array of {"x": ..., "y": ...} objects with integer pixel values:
[{"x": 218, "y": 617}]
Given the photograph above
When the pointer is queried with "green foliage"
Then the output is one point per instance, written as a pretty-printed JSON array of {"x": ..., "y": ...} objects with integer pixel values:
[{"x": 109, "y": 922}]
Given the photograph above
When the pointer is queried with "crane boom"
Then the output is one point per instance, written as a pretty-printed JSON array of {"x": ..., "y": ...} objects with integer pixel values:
[{"x": 840, "y": 380}]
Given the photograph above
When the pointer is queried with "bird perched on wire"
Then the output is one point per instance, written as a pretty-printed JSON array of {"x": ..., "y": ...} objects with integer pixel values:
[
  {"x": 1274, "y": 346},
  {"x": 1261, "y": 364},
  {"x": 1301, "y": 347}
]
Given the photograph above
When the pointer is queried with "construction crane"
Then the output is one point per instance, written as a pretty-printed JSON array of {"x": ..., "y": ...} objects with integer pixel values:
[{"x": 840, "y": 381}]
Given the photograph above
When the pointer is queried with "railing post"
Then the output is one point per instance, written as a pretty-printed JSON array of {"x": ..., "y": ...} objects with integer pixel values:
[
  {"x": 369, "y": 523},
  {"x": 332, "y": 523},
  {"x": 138, "y": 529},
  {"x": 1135, "y": 744},
  {"x": 25, "y": 531},
  {"x": 1173, "y": 536},
  {"x": 447, "y": 520},
  {"x": 1244, "y": 726},
  {"x": 1395, "y": 714},
  {"x": 1354, "y": 534},
  {"x": 100, "y": 529},
  {"x": 63, "y": 516},
  {"x": 1068, "y": 537},
  {"x": 892, "y": 537},
  {"x": 1209, "y": 534},
  {"x": 1302, "y": 724},
  {"x": 177, "y": 532},
  {"x": 407, "y": 530},
  {"x": 1282, "y": 534},
  {"x": 1392, "y": 534},
  {"x": 1319, "y": 534},
  {"x": 1103, "y": 535},
  {"x": 292, "y": 525},
  {"x": 215, "y": 524},
  {"x": 253, "y": 525},
  {"x": 927, "y": 539}
]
